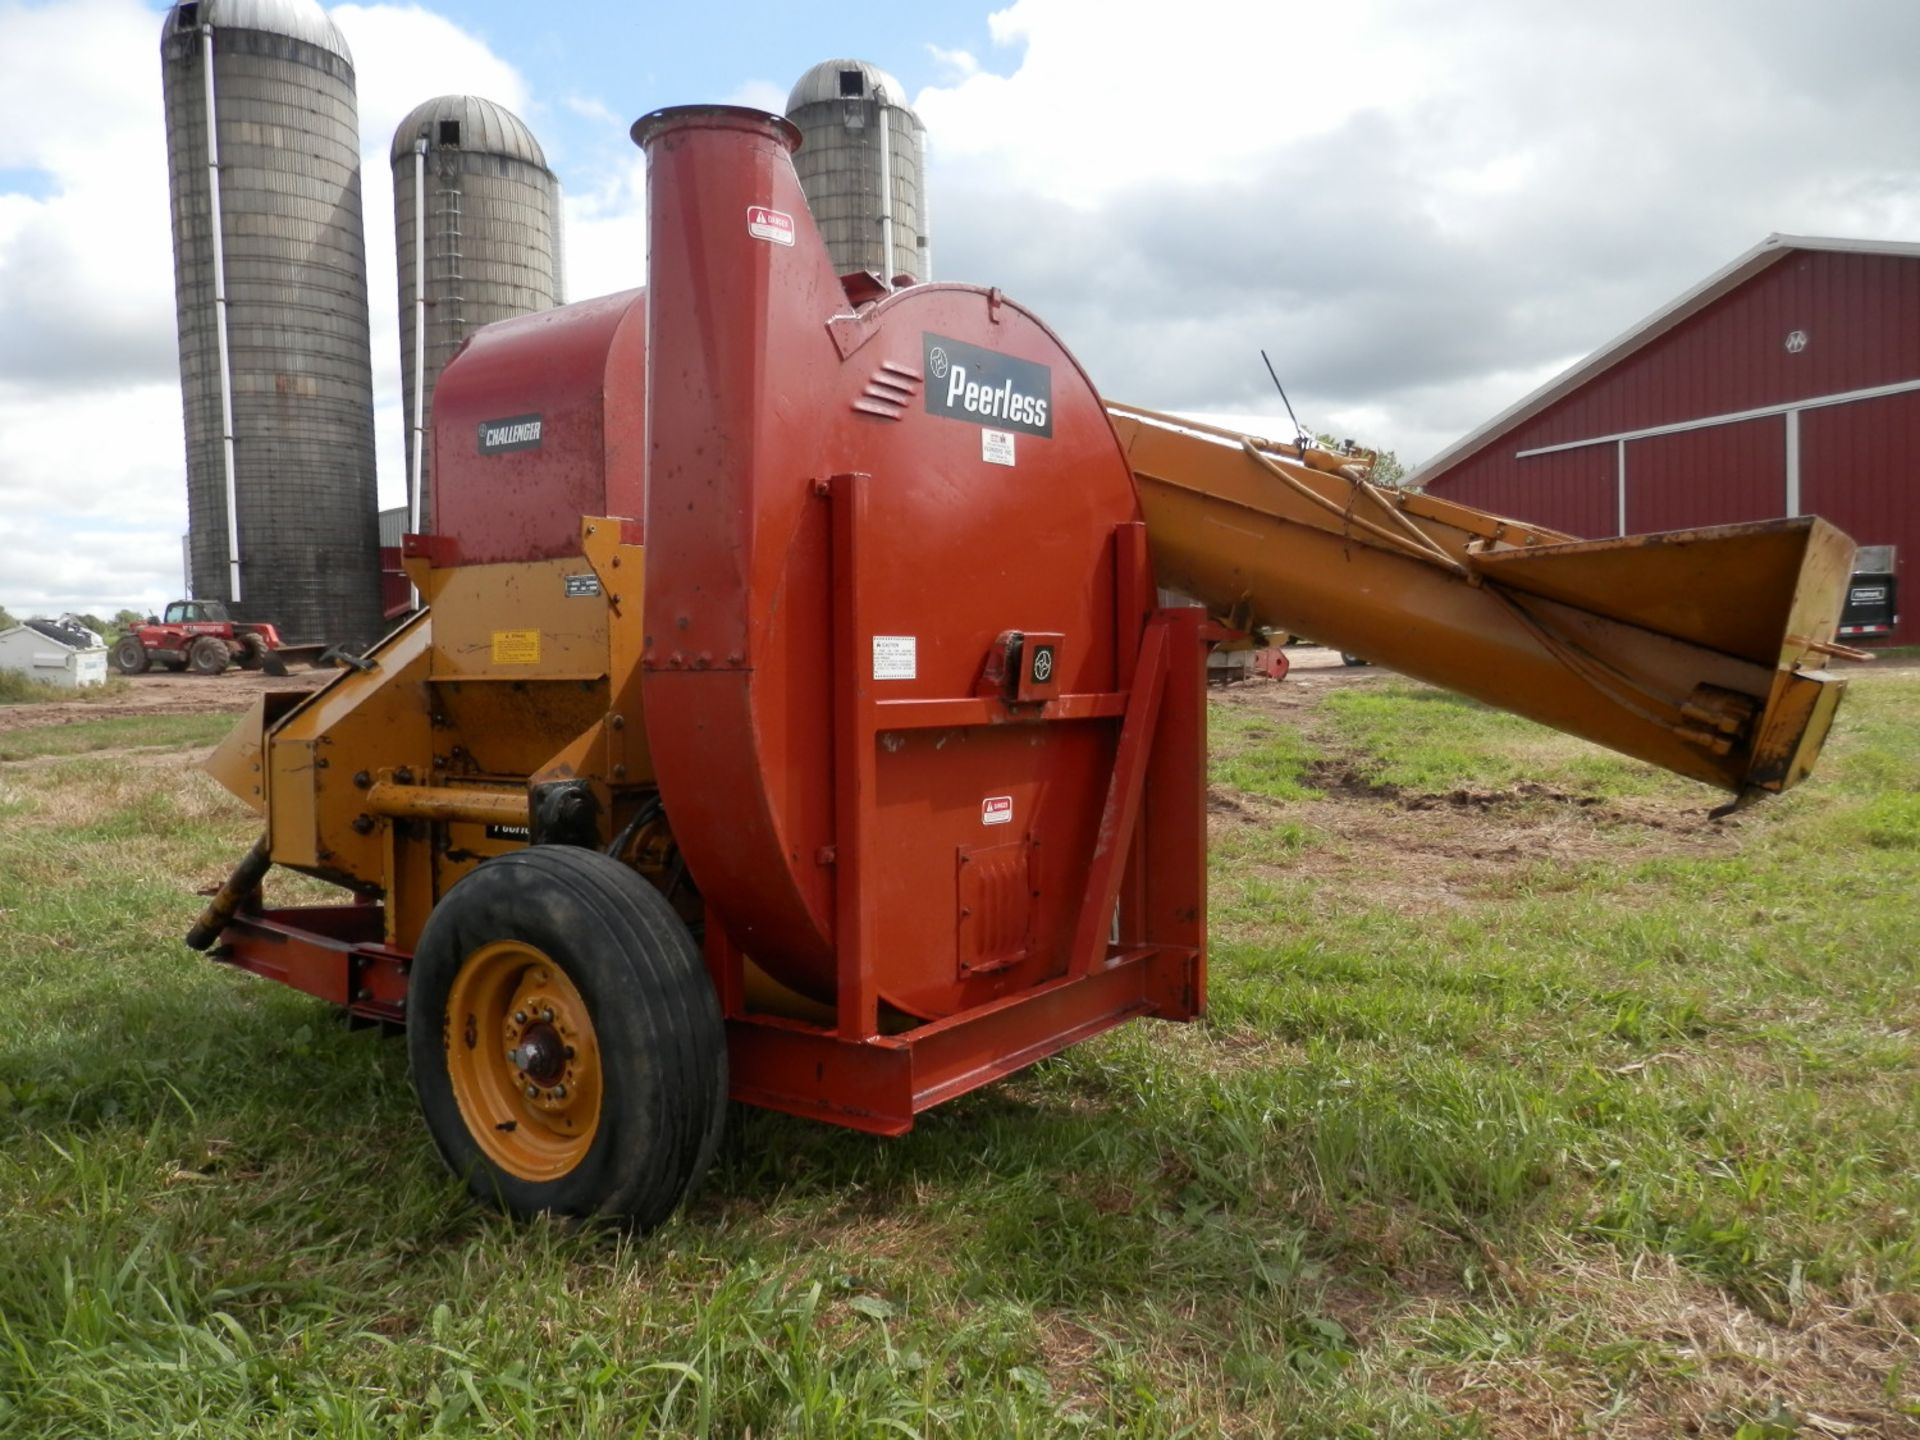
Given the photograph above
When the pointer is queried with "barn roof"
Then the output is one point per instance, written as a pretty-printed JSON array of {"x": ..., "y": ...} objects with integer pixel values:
[{"x": 1767, "y": 253}]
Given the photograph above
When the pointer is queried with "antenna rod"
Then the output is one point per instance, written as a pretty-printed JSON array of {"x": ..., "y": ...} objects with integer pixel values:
[{"x": 1299, "y": 433}]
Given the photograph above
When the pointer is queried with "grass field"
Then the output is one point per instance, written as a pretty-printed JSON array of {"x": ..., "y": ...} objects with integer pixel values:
[{"x": 1531, "y": 1103}]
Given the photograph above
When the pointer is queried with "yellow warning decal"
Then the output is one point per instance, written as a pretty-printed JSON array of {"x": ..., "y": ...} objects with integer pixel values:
[{"x": 516, "y": 647}]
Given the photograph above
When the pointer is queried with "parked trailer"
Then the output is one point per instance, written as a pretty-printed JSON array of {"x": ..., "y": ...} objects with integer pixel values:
[{"x": 824, "y": 746}]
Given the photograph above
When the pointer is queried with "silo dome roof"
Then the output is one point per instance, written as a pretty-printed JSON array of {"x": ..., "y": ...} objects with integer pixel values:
[
  {"x": 301, "y": 19},
  {"x": 825, "y": 81},
  {"x": 486, "y": 128}
]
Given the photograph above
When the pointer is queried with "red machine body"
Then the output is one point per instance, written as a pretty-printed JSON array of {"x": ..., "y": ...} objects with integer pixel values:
[
  {"x": 929, "y": 749},
  {"x": 537, "y": 421},
  {"x": 979, "y": 823}
]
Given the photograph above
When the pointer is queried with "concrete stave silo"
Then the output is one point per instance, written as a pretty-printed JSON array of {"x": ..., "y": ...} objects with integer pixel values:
[
  {"x": 490, "y": 226},
  {"x": 839, "y": 106},
  {"x": 271, "y": 298}
]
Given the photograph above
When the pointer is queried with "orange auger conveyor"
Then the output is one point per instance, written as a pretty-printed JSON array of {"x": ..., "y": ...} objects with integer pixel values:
[
  {"x": 1697, "y": 650},
  {"x": 793, "y": 718}
]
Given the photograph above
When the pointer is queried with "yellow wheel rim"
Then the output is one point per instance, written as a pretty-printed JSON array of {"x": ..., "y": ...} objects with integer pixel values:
[{"x": 524, "y": 1061}]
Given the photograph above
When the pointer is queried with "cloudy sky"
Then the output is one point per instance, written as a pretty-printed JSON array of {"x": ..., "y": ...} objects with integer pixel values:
[{"x": 1420, "y": 209}]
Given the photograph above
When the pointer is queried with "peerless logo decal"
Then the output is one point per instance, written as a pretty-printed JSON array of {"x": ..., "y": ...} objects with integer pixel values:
[
  {"x": 985, "y": 387},
  {"x": 517, "y": 432}
]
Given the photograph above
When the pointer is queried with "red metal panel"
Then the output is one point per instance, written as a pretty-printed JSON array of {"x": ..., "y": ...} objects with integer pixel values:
[
  {"x": 1571, "y": 490},
  {"x": 1576, "y": 491},
  {"x": 807, "y": 468},
  {"x": 579, "y": 372},
  {"x": 1858, "y": 468},
  {"x": 1717, "y": 476},
  {"x": 1857, "y": 312},
  {"x": 1860, "y": 315}
]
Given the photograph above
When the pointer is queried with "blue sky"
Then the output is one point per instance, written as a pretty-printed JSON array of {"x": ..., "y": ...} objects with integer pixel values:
[
  {"x": 641, "y": 57},
  {"x": 1420, "y": 209}
]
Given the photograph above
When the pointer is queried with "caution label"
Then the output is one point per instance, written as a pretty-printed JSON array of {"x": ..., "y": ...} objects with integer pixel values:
[
  {"x": 996, "y": 810},
  {"x": 516, "y": 647},
  {"x": 895, "y": 657}
]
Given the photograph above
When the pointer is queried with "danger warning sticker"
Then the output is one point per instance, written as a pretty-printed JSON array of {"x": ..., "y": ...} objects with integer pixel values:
[
  {"x": 765, "y": 224},
  {"x": 516, "y": 647},
  {"x": 996, "y": 810}
]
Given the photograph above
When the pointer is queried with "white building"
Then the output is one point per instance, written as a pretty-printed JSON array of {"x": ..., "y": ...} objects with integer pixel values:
[{"x": 54, "y": 653}]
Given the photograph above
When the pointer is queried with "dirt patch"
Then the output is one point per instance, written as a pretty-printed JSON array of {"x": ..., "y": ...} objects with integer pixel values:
[
  {"x": 1688, "y": 1359},
  {"x": 1435, "y": 852},
  {"x": 164, "y": 695},
  {"x": 1422, "y": 853},
  {"x": 1312, "y": 675}
]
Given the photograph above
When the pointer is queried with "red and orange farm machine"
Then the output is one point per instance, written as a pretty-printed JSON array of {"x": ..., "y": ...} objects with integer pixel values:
[{"x": 792, "y": 718}]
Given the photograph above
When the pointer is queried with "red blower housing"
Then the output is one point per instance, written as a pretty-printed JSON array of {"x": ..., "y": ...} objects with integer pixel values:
[{"x": 911, "y": 709}]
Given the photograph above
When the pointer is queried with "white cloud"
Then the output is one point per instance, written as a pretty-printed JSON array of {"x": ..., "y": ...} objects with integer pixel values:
[
  {"x": 85, "y": 271},
  {"x": 92, "y": 477},
  {"x": 589, "y": 107},
  {"x": 760, "y": 95},
  {"x": 958, "y": 63},
  {"x": 92, "y": 497},
  {"x": 1420, "y": 209},
  {"x": 607, "y": 230},
  {"x": 403, "y": 55}
]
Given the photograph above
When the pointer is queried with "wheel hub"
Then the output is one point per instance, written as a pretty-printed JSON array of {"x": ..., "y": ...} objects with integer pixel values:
[
  {"x": 541, "y": 1054},
  {"x": 531, "y": 1097}
]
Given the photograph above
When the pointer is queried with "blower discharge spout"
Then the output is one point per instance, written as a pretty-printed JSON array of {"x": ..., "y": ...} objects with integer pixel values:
[{"x": 1696, "y": 650}]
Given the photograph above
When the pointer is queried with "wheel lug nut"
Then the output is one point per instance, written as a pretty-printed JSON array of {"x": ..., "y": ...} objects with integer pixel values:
[
  {"x": 533, "y": 1092},
  {"x": 547, "y": 1016},
  {"x": 519, "y": 1017},
  {"x": 569, "y": 1052},
  {"x": 559, "y": 1092}
]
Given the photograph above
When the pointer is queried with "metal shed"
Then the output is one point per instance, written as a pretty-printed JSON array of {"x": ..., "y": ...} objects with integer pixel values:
[
  {"x": 1787, "y": 383},
  {"x": 54, "y": 652}
]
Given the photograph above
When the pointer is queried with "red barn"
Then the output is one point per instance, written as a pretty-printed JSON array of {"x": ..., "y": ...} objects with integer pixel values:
[{"x": 1786, "y": 384}]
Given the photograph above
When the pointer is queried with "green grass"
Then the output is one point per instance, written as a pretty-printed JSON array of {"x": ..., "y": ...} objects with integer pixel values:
[
  {"x": 118, "y": 732},
  {"x": 1258, "y": 754},
  {"x": 1414, "y": 737},
  {"x": 1626, "y": 1139},
  {"x": 19, "y": 689}
]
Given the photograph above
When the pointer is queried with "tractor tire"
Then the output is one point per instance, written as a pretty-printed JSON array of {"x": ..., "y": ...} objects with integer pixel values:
[
  {"x": 560, "y": 971},
  {"x": 252, "y": 652},
  {"x": 130, "y": 656},
  {"x": 208, "y": 656}
]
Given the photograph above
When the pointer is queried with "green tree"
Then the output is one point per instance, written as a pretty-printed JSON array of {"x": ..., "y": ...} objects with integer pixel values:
[
  {"x": 7, "y": 622},
  {"x": 123, "y": 621},
  {"x": 1387, "y": 469}
]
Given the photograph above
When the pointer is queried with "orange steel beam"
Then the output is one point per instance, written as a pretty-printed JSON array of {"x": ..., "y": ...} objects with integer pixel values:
[
  {"x": 447, "y": 802},
  {"x": 1695, "y": 650}
]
